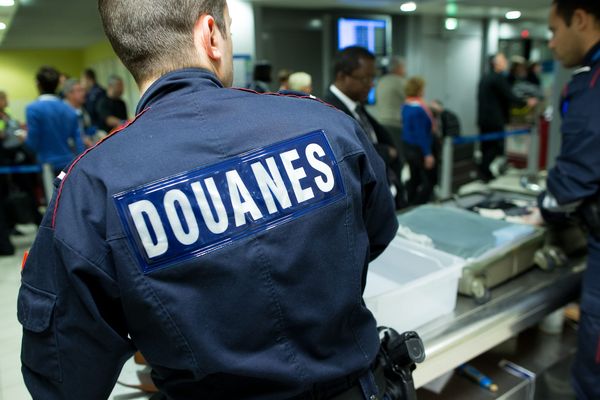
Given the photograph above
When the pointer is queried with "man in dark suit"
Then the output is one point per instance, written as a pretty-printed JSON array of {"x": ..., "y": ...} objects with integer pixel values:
[
  {"x": 354, "y": 72},
  {"x": 495, "y": 98}
]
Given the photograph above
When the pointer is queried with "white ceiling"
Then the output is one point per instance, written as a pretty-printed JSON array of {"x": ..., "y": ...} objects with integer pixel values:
[{"x": 41, "y": 24}]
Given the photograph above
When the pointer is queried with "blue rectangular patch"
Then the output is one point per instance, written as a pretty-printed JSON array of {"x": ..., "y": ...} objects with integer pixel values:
[{"x": 190, "y": 214}]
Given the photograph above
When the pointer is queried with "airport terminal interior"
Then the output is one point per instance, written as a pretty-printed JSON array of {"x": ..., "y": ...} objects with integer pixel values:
[{"x": 491, "y": 290}]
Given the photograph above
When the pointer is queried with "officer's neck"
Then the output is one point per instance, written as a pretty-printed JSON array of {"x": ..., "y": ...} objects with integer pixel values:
[
  {"x": 592, "y": 45},
  {"x": 144, "y": 86}
]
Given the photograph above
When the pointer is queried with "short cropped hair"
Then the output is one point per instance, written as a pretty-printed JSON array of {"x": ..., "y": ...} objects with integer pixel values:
[
  {"x": 566, "y": 8},
  {"x": 414, "y": 86},
  {"x": 153, "y": 37},
  {"x": 347, "y": 60},
  {"x": 47, "y": 79}
]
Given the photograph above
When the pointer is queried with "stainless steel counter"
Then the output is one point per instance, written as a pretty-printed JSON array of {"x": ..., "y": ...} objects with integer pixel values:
[{"x": 473, "y": 329}]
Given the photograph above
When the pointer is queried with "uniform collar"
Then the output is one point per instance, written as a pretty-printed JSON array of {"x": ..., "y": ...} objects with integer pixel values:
[
  {"x": 593, "y": 56},
  {"x": 182, "y": 81}
]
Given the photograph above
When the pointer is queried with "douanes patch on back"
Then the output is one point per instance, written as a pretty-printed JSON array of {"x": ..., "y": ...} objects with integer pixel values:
[{"x": 184, "y": 216}]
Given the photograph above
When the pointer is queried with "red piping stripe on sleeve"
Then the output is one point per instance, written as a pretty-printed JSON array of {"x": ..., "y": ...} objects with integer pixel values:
[
  {"x": 595, "y": 79},
  {"x": 112, "y": 133}
]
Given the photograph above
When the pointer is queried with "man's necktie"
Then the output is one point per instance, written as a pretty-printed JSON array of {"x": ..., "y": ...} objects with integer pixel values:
[{"x": 364, "y": 122}]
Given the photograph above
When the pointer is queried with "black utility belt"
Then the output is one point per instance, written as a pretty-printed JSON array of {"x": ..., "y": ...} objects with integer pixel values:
[{"x": 590, "y": 214}]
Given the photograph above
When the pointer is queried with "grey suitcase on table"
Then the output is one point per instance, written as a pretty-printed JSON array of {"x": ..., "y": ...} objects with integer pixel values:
[{"x": 495, "y": 250}]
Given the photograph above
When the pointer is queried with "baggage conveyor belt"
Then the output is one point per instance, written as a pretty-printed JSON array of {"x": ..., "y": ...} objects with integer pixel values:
[{"x": 514, "y": 306}]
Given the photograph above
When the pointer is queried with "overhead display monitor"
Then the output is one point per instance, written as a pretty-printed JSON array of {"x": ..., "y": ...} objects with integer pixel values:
[{"x": 368, "y": 33}]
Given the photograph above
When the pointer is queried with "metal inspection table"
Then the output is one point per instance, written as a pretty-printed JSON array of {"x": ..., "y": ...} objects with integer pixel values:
[{"x": 515, "y": 306}]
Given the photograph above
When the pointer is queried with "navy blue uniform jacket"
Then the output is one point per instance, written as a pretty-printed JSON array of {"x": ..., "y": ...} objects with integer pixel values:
[
  {"x": 576, "y": 176},
  {"x": 224, "y": 234}
]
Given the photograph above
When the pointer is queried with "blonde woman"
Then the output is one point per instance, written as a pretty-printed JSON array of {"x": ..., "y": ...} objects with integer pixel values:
[{"x": 417, "y": 136}]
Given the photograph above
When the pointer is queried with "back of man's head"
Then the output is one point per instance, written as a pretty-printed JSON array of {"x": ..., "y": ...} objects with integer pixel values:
[
  {"x": 262, "y": 72},
  {"x": 47, "y": 80},
  {"x": 566, "y": 9},
  {"x": 153, "y": 37},
  {"x": 348, "y": 60},
  {"x": 89, "y": 74}
]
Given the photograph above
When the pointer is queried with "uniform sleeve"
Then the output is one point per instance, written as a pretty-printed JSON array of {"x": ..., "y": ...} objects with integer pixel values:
[
  {"x": 576, "y": 175},
  {"x": 33, "y": 129},
  {"x": 378, "y": 205},
  {"x": 74, "y": 333}
]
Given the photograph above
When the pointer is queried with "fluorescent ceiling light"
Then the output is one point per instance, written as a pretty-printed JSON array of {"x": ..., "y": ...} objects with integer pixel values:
[
  {"x": 513, "y": 15},
  {"x": 408, "y": 7},
  {"x": 451, "y": 24},
  {"x": 7, "y": 3},
  {"x": 2, "y": 26}
]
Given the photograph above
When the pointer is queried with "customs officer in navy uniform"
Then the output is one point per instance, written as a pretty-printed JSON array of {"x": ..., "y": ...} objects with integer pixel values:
[
  {"x": 574, "y": 183},
  {"x": 224, "y": 234}
]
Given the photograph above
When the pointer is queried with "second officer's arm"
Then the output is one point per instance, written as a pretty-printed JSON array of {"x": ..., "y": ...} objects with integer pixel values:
[{"x": 576, "y": 175}]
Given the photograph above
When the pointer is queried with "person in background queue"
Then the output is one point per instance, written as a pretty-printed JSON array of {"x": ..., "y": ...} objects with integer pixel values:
[{"x": 354, "y": 72}]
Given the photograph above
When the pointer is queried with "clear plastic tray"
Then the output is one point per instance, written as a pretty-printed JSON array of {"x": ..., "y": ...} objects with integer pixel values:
[
  {"x": 409, "y": 285},
  {"x": 461, "y": 233}
]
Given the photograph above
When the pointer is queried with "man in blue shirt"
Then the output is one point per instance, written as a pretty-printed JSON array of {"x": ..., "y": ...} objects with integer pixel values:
[
  {"x": 574, "y": 183},
  {"x": 223, "y": 233},
  {"x": 52, "y": 127}
]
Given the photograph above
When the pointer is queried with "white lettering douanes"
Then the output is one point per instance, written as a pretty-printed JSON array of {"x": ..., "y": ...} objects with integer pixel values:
[
  {"x": 182, "y": 207},
  {"x": 138, "y": 210}
]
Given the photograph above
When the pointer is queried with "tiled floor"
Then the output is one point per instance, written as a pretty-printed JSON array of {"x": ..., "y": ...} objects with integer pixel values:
[{"x": 11, "y": 381}]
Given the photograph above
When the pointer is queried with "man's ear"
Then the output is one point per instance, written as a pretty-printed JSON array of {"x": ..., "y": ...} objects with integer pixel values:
[
  {"x": 208, "y": 38},
  {"x": 580, "y": 20}
]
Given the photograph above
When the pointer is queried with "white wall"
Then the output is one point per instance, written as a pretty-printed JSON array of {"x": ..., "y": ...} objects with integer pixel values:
[
  {"x": 450, "y": 62},
  {"x": 242, "y": 29}
]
